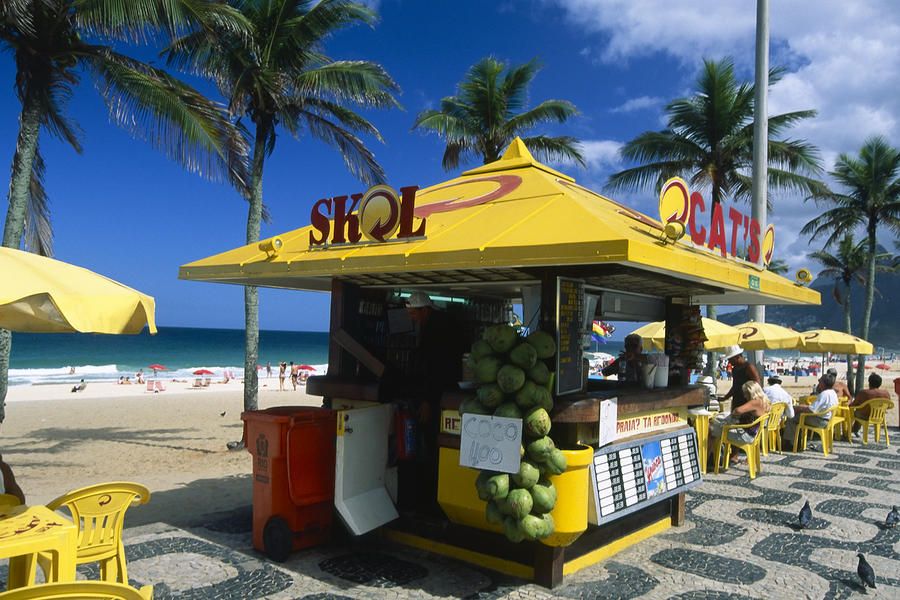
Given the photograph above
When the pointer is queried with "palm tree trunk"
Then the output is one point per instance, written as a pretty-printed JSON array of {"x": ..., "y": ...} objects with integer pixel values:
[
  {"x": 251, "y": 293},
  {"x": 870, "y": 299},
  {"x": 712, "y": 358},
  {"x": 23, "y": 160},
  {"x": 851, "y": 382}
]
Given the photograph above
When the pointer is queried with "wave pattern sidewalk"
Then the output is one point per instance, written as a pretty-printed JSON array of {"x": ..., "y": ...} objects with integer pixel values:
[{"x": 740, "y": 543}]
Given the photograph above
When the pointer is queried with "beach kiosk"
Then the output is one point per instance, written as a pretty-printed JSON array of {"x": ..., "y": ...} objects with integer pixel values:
[{"x": 515, "y": 236}]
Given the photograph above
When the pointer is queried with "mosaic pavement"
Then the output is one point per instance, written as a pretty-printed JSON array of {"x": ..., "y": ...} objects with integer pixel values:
[{"x": 740, "y": 543}]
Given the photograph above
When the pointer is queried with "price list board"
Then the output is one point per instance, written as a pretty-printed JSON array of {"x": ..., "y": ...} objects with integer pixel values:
[
  {"x": 569, "y": 324},
  {"x": 631, "y": 475}
]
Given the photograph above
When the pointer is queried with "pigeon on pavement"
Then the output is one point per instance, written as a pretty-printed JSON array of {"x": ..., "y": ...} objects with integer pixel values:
[
  {"x": 893, "y": 518},
  {"x": 222, "y": 414},
  {"x": 865, "y": 572},
  {"x": 805, "y": 515}
]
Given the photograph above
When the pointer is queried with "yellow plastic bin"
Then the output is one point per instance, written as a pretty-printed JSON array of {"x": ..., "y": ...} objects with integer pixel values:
[
  {"x": 457, "y": 494},
  {"x": 570, "y": 514}
]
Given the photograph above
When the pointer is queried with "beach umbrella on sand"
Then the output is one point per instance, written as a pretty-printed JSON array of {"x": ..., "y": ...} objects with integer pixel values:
[
  {"x": 883, "y": 366},
  {"x": 826, "y": 340},
  {"x": 156, "y": 367},
  {"x": 203, "y": 372},
  {"x": 767, "y": 336},
  {"x": 719, "y": 335},
  {"x": 306, "y": 368},
  {"x": 43, "y": 295}
]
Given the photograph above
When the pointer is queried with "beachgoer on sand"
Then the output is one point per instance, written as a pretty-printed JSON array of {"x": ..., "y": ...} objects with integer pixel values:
[
  {"x": 268, "y": 369},
  {"x": 295, "y": 373},
  {"x": 80, "y": 387},
  {"x": 282, "y": 368}
]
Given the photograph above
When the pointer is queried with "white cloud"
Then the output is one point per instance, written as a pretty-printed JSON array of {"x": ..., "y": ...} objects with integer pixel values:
[
  {"x": 639, "y": 103},
  {"x": 843, "y": 56},
  {"x": 601, "y": 154}
]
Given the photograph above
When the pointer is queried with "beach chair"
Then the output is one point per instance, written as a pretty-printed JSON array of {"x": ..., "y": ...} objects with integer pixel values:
[
  {"x": 99, "y": 512},
  {"x": 206, "y": 382},
  {"x": 150, "y": 386},
  {"x": 877, "y": 409},
  {"x": 752, "y": 450},
  {"x": 772, "y": 437},
  {"x": 8, "y": 501},
  {"x": 826, "y": 433},
  {"x": 77, "y": 590},
  {"x": 198, "y": 383},
  {"x": 160, "y": 386}
]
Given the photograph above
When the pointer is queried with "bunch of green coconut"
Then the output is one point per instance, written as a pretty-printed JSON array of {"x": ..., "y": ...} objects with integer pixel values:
[{"x": 514, "y": 381}]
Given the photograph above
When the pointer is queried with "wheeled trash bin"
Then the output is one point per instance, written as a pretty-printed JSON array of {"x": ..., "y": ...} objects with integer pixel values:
[{"x": 293, "y": 450}]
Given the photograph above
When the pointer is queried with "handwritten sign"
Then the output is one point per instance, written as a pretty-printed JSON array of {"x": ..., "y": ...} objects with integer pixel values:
[
  {"x": 649, "y": 422},
  {"x": 491, "y": 443}
]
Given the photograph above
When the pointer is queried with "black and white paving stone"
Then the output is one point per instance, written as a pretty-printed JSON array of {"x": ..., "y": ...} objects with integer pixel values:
[{"x": 741, "y": 542}]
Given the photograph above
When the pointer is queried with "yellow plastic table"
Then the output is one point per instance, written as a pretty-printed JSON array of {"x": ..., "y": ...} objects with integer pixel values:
[
  {"x": 843, "y": 410},
  {"x": 27, "y": 530},
  {"x": 701, "y": 426}
]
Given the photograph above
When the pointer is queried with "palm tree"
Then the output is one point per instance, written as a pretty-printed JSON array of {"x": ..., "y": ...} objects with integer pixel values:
[
  {"x": 779, "y": 267},
  {"x": 709, "y": 142},
  {"x": 845, "y": 267},
  {"x": 483, "y": 118},
  {"x": 872, "y": 182},
  {"x": 48, "y": 40},
  {"x": 276, "y": 73}
]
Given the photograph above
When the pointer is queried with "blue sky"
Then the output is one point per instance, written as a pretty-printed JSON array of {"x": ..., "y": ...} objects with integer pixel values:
[{"x": 124, "y": 210}]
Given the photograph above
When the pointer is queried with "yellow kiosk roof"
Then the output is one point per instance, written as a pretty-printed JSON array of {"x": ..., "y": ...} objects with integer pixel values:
[{"x": 495, "y": 222}]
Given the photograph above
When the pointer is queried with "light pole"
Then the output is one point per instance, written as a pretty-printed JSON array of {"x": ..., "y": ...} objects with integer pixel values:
[{"x": 760, "y": 143}]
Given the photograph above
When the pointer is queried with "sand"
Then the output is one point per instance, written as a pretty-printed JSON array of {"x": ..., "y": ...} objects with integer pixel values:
[{"x": 174, "y": 442}]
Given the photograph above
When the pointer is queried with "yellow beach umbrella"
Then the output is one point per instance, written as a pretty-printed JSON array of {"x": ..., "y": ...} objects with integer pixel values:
[
  {"x": 43, "y": 295},
  {"x": 826, "y": 340},
  {"x": 719, "y": 335},
  {"x": 768, "y": 336}
]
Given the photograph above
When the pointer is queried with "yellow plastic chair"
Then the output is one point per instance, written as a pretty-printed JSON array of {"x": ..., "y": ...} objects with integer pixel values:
[
  {"x": 826, "y": 433},
  {"x": 99, "y": 512},
  {"x": 8, "y": 500},
  {"x": 771, "y": 440},
  {"x": 752, "y": 449},
  {"x": 877, "y": 409},
  {"x": 79, "y": 590}
]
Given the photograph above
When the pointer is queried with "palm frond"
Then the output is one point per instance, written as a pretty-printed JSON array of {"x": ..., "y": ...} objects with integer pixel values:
[
  {"x": 545, "y": 112},
  {"x": 171, "y": 116},
  {"x": 359, "y": 160},
  {"x": 361, "y": 82},
  {"x": 38, "y": 229},
  {"x": 555, "y": 149}
]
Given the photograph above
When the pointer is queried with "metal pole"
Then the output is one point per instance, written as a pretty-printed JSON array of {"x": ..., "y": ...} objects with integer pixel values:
[{"x": 760, "y": 142}]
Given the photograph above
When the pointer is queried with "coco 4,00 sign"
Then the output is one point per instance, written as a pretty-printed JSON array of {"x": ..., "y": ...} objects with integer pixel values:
[{"x": 378, "y": 215}]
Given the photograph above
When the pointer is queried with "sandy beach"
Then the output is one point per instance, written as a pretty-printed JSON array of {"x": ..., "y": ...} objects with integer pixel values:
[{"x": 174, "y": 441}]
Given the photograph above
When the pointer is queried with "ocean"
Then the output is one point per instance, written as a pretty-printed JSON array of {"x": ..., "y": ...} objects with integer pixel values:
[{"x": 51, "y": 358}]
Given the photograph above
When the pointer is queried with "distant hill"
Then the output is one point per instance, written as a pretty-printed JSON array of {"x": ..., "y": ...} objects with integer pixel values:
[{"x": 883, "y": 331}]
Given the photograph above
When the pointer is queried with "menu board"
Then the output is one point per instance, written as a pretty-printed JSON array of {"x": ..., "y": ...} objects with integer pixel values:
[
  {"x": 569, "y": 331},
  {"x": 631, "y": 475}
]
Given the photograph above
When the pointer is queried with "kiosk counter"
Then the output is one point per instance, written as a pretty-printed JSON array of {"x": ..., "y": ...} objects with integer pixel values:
[{"x": 417, "y": 278}]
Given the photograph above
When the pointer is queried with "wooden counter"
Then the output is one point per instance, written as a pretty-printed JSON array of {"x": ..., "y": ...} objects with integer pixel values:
[{"x": 583, "y": 408}]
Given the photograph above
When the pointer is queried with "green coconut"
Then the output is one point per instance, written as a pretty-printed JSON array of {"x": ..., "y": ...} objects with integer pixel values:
[
  {"x": 487, "y": 368},
  {"x": 523, "y": 356},
  {"x": 539, "y": 450},
  {"x": 520, "y": 502},
  {"x": 490, "y": 395},
  {"x": 481, "y": 349},
  {"x": 537, "y": 422},
  {"x": 527, "y": 476},
  {"x": 502, "y": 338},
  {"x": 539, "y": 373},
  {"x": 510, "y": 378},
  {"x": 543, "y": 343},
  {"x": 512, "y": 531},
  {"x": 509, "y": 410}
]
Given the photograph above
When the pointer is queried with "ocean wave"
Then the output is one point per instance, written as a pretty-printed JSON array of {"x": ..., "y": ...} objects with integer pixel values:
[{"x": 75, "y": 373}]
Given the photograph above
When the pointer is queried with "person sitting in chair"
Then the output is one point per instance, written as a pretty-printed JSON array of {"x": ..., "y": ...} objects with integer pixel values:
[
  {"x": 874, "y": 391},
  {"x": 826, "y": 400},
  {"x": 755, "y": 405},
  {"x": 80, "y": 387}
]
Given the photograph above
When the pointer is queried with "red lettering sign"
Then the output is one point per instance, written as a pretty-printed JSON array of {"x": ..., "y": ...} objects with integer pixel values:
[{"x": 375, "y": 215}]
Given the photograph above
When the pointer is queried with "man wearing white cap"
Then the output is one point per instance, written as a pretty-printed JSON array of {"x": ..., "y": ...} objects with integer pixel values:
[{"x": 741, "y": 372}]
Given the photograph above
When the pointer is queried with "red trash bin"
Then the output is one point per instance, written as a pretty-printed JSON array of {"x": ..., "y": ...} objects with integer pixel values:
[{"x": 293, "y": 476}]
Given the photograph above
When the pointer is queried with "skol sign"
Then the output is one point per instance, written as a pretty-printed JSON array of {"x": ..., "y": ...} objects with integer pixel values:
[
  {"x": 378, "y": 215},
  {"x": 741, "y": 238}
]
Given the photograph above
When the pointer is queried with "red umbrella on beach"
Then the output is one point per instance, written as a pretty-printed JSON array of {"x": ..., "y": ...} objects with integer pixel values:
[
  {"x": 306, "y": 368},
  {"x": 883, "y": 366},
  {"x": 155, "y": 368},
  {"x": 203, "y": 372}
]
